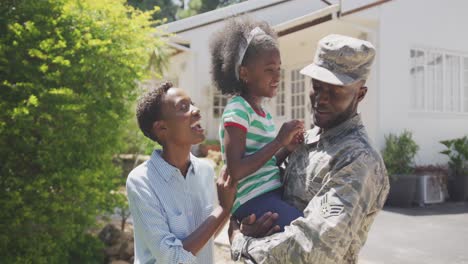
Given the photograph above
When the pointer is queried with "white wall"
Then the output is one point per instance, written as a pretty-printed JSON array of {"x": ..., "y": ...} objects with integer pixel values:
[
  {"x": 406, "y": 24},
  {"x": 180, "y": 69}
]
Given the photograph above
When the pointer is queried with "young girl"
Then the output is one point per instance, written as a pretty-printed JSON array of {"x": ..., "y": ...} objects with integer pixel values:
[{"x": 246, "y": 64}]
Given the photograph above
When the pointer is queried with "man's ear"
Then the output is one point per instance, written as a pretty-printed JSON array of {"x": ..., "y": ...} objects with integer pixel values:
[{"x": 362, "y": 93}]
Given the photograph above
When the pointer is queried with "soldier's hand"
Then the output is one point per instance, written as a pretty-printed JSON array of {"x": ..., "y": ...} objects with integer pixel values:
[
  {"x": 234, "y": 229},
  {"x": 253, "y": 227}
]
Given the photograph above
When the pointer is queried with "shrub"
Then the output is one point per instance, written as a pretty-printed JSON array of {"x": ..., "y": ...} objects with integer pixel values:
[
  {"x": 68, "y": 72},
  {"x": 399, "y": 153}
]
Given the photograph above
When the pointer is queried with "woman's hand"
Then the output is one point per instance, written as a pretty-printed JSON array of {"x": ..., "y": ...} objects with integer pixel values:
[{"x": 227, "y": 189}]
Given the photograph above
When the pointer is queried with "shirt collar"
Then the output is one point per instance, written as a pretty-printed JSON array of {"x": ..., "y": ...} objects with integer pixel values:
[
  {"x": 166, "y": 170},
  {"x": 316, "y": 134}
]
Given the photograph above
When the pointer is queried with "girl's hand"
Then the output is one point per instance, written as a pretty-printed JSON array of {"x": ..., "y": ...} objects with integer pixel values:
[
  {"x": 288, "y": 132},
  {"x": 297, "y": 140}
]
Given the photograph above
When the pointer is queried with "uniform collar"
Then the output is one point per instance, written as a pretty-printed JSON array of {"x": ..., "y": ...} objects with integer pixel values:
[
  {"x": 166, "y": 170},
  {"x": 316, "y": 134}
]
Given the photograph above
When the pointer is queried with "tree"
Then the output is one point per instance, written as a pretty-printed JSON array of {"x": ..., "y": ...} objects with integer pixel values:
[
  {"x": 223, "y": 3},
  {"x": 201, "y": 6},
  {"x": 171, "y": 12},
  {"x": 167, "y": 8},
  {"x": 192, "y": 9},
  {"x": 68, "y": 76}
]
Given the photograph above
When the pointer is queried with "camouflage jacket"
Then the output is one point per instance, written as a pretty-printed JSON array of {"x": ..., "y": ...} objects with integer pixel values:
[{"x": 340, "y": 182}]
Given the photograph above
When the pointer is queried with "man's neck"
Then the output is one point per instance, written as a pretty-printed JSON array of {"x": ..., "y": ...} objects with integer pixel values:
[
  {"x": 323, "y": 130},
  {"x": 177, "y": 156}
]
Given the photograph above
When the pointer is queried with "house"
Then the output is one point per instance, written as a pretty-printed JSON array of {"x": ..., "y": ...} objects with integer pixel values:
[{"x": 419, "y": 81}]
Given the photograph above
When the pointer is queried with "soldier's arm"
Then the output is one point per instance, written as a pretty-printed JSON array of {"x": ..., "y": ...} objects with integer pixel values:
[{"x": 330, "y": 219}]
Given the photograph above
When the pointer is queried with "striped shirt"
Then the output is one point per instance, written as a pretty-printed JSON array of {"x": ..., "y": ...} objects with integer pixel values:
[
  {"x": 166, "y": 208},
  {"x": 260, "y": 131}
]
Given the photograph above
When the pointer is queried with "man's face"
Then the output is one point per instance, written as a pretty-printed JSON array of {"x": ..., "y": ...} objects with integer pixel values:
[
  {"x": 181, "y": 119},
  {"x": 263, "y": 73},
  {"x": 334, "y": 104}
]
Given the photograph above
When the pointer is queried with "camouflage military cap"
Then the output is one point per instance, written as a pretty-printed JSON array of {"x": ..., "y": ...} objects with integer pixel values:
[{"x": 341, "y": 60}]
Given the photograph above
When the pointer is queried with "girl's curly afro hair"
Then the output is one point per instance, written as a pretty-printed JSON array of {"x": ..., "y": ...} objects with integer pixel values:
[{"x": 225, "y": 46}]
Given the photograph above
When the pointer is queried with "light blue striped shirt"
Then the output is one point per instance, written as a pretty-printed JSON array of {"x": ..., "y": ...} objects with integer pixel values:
[{"x": 166, "y": 208}]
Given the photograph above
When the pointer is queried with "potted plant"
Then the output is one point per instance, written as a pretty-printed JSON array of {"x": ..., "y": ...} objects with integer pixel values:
[
  {"x": 457, "y": 152},
  {"x": 398, "y": 155}
]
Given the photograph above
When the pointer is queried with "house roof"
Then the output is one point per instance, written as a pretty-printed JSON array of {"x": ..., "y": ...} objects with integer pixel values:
[
  {"x": 329, "y": 12},
  {"x": 311, "y": 19},
  {"x": 218, "y": 15},
  {"x": 176, "y": 28}
]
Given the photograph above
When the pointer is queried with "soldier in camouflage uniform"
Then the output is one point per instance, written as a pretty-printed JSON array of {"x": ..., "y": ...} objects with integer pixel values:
[{"x": 337, "y": 177}]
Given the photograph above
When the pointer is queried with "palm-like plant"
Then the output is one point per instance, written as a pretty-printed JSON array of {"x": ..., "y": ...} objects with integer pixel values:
[{"x": 457, "y": 151}]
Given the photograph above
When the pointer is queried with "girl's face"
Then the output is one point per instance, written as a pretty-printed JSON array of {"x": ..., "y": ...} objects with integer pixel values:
[{"x": 262, "y": 74}]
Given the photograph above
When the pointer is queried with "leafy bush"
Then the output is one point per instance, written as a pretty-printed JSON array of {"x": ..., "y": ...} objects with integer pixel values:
[
  {"x": 68, "y": 72},
  {"x": 399, "y": 153},
  {"x": 457, "y": 151}
]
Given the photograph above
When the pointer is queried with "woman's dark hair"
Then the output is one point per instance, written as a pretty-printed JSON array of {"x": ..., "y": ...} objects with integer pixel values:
[
  {"x": 225, "y": 46},
  {"x": 149, "y": 109}
]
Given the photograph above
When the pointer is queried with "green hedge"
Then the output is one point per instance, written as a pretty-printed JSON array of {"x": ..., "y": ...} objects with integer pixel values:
[{"x": 68, "y": 72}]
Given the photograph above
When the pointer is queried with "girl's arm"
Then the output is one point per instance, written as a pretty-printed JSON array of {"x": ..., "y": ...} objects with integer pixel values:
[
  {"x": 281, "y": 155},
  {"x": 238, "y": 164},
  {"x": 285, "y": 151}
]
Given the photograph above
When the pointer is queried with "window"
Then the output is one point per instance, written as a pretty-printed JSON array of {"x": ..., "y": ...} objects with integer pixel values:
[
  {"x": 281, "y": 97},
  {"x": 439, "y": 81},
  {"x": 219, "y": 102},
  {"x": 298, "y": 95}
]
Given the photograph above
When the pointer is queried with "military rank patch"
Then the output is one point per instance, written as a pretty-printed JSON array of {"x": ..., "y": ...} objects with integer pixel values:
[{"x": 327, "y": 209}]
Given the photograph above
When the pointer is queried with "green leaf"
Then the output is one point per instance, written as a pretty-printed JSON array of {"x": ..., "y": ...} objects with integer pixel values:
[
  {"x": 33, "y": 100},
  {"x": 69, "y": 72}
]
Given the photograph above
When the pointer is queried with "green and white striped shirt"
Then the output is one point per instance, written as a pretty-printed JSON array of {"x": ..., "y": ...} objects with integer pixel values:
[{"x": 260, "y": 131}]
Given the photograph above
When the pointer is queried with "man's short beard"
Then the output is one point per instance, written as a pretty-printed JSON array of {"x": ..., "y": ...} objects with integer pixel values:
[{"x": 348, "y": 113}]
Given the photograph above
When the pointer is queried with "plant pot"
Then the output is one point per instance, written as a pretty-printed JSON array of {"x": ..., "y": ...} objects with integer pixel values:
[
  {"x": 402, "y": 190},
  {"x": 458, "y": 188}
]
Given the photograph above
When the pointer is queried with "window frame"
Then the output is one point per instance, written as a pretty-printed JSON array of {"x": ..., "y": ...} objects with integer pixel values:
[
  {"x": 281, "y": 105},
  {"x": 446, "y": 95},
  {"x": 222, "y": 101}
]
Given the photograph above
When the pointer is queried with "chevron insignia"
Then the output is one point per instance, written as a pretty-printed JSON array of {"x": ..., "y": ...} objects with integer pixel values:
[{"x": 328, "y": 209}]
